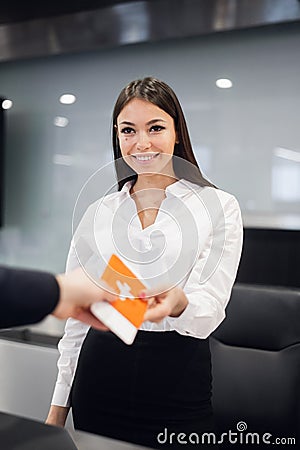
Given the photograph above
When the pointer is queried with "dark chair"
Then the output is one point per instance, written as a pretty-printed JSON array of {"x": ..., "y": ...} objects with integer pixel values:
[{"x": 256, "y": 366}]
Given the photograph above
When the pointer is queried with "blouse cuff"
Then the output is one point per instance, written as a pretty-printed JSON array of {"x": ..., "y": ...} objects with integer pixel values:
[
  {"x": 183, "y": 323},
  {"x": 61, "y": 395}
]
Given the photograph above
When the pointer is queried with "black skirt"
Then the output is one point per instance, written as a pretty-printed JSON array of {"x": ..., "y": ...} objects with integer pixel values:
[{"x": 146, "y": 393}]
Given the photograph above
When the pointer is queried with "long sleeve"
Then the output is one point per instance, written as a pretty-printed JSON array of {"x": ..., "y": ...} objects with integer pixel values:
[
  {"x": 83, "y": 247},
  {"x": 210, "y": 282},
  {"x": 27, "y": 296},
  {"x": 69, "y": 348}
]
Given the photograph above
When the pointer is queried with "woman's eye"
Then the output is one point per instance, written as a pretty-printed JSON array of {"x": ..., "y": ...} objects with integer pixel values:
[
  {"x": 127, "y": 130},
  {"x": 157, "y": 128}
]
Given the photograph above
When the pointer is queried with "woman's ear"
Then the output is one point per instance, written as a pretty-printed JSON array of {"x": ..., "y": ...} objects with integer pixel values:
[
  {"x": 176, "y": 138},
  {"x": 117, "y": 131}
]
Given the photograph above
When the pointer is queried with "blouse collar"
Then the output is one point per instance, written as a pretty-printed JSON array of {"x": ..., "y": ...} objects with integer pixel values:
[{"x": 177, "y": 189}]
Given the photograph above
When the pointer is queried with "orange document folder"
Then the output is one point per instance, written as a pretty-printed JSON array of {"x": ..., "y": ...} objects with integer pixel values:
[
  {"x": 125, "y": 315},
  {"x": 123, "y": 281}
]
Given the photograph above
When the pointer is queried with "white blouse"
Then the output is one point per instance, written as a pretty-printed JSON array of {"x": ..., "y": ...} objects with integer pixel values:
[{"x": 195, "y": 243}]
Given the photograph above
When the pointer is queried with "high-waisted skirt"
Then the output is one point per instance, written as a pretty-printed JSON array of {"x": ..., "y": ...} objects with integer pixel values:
[{"x": 146, "y": 393}]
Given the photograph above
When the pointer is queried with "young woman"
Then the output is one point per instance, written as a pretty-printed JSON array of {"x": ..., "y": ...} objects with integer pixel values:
[{"x": 184, "y": 233}]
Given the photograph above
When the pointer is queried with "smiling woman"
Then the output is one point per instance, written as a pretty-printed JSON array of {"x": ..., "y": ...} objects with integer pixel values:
[
  {"x": 157, "y": 102},
  {"x": 147, "y": 138},
  {"x": 174, "y": 229}
]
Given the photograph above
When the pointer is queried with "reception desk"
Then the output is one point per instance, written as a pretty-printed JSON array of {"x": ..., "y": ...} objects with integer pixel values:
[
  {"x": 17, "y": 433},
  {"x": 27, "y": 377}
]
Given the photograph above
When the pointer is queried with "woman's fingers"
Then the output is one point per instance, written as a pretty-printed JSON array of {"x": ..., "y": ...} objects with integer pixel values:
[
  {"x": 158, "y": 312},
  {"x": 158, "y": 292}
]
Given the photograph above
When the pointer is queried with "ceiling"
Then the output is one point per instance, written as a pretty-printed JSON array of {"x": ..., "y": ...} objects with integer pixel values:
[
  {"x": 12, "y": 11},
  {"x": 34, "y": 28}
]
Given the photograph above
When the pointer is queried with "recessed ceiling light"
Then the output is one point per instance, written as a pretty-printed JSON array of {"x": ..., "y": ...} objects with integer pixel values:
[
  {"x": 7, "y": 104},
  {"x": 224, "y": 83},
  {"x": 67, "y": 99},
  {"x": 62, "y": 160},
  {"x": 60, "y": 121}
]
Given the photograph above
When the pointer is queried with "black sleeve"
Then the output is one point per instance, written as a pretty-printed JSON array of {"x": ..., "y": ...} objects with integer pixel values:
[{"x": 26, "y": 296}]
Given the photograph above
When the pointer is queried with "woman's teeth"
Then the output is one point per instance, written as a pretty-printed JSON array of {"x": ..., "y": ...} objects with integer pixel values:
[{"x": 145, "y": 157}]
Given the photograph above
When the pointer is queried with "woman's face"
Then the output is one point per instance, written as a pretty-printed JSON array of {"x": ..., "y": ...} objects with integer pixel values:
[{"x": 146, "y": 136}]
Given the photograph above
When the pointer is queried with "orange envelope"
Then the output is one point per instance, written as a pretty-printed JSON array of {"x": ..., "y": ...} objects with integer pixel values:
[{"x": 123, "y": 281}]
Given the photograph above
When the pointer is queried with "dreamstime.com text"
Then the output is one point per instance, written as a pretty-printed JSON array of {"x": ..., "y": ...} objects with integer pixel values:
[{"x": 236, "y": 437}]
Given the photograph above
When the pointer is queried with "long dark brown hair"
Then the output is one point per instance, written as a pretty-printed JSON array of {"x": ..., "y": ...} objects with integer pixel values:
[{"x": 161, "y": 95}]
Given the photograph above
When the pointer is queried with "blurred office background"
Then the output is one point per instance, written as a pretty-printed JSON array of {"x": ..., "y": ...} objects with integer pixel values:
[{"x": 246, "y": 137}]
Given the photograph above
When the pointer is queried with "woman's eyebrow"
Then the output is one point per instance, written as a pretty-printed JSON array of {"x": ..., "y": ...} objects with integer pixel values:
[
  {"x": 154, "y": 121},
  {"x": 126, "y": 122}
]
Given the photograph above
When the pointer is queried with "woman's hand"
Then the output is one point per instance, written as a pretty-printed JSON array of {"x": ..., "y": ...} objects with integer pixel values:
[
  {"x": 171, "y": 302},
  {"x": 57, "y": 415}
]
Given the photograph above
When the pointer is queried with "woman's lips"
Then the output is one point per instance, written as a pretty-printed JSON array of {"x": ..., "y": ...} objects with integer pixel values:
[{"x": 144, "y": 158}]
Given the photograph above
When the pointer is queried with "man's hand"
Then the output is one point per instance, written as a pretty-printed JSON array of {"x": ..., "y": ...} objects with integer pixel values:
[{"x": 77, "y": 293}]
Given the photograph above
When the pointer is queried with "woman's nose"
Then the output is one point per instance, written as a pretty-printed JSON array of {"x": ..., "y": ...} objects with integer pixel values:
[{"x": 143, "y": 141}]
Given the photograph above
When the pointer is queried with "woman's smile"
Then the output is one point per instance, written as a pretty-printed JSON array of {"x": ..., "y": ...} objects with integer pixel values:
[{"x": 145, "y": 158}]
